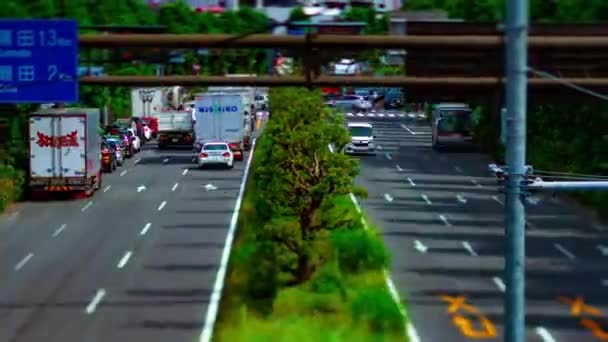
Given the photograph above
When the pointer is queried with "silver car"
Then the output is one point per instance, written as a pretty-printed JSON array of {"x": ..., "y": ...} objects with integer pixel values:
[{"x": 352, "y": 102}]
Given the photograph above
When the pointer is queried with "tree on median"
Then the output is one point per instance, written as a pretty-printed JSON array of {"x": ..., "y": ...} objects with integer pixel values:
[{"x": 297, "y": 179}]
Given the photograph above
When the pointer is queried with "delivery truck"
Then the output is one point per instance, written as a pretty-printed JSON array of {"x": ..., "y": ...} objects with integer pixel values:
[
  {"x": 174, "y": 128},
  {"x": 65, "y": 150},
  {"x": 247, "y": 97},
  {"x": 219, "y": 117}
]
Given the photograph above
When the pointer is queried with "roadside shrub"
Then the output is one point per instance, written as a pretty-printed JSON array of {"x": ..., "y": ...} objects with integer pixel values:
[
  {"x": 359, "y": 250},
  {"x": 376, "y": 307},
  {"x": 11, "y": 184}
]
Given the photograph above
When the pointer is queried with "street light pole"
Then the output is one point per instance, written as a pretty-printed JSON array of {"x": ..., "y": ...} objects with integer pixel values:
[{"x": 516, "y": 60}]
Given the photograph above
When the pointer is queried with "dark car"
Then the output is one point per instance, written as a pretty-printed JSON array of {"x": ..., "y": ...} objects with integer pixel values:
[
  {"x": 108, "y": 157},
  {"x": 393, "y": 99}
]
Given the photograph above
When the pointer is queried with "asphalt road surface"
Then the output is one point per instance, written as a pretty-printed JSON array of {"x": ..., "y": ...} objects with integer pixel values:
[
  {"x": 122, "y": 265},
  {"x": 442, "y": 218}
]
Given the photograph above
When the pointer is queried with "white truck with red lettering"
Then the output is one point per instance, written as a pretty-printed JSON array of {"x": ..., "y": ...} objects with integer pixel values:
[{"x": 65, "y": 150}]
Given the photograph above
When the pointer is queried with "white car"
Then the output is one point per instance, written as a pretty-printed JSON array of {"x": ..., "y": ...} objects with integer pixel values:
[
  {"x": 215, "y": 153},
  {"x": 136, "y": 141}
]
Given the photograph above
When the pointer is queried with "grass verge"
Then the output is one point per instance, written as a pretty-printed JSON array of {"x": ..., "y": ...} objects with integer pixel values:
[{"x": 350, "y": 304}]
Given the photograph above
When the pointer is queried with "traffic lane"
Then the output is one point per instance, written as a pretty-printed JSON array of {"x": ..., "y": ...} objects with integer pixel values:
[
  {"x": 446, "y": 265},
  {"x": 427, "y": 311},
  {"x": 38, "y": 222},
  {"x": 482, "y": 277},
  {"x": 543, "y": 254},
  {"x": 576, "y": 234},
  {"x": 78, "y": 262},
  {"x": 544, "y": 209},
  {"x": 169, "y": 280}
]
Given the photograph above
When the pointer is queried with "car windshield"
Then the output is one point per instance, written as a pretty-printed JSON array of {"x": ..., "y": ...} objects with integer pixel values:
[
  {"x": 455, "y": 121},
  {"x": 215, "y": 147},
  {"x": 360, "y": 131}
]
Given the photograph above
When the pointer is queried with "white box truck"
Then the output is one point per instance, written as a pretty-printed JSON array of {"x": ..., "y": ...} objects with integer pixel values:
[
  {"x": 65, "y": 150},
  {"x": 248, "y": 98},
  {"x": 174, "y": 128},
  {"x": 145, "y": 101},
  {"x": 219, "y": 117}
]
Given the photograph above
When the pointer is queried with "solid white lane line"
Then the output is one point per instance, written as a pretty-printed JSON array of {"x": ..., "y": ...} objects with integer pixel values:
[
  {"x": 59, "y": 230},
  {"x": 107, "y": 188},
  {"x": 123, "y": 261},
  {"x": 388, "y": 197},
  {"x": 123, "y": 173},
  {"x": 500, "y": 284},
  {"x": 467, "y": 246},
  {"x": 411, "y": 181},
  {"x": 87, "y": 206},
  {"x": 461, "y": 199},
  {"x": 174, "y": 186},
  {"x": 137, "y": 160},
  {"x": 184, "y": 172},
  {"x": 23, "y": 261},
  {"x": 498, "y": 200},
  {"x": 162, "y": 205},
  {"x": 145, "y": 229},
  {"x": 388, "y": 156},
  {"x": 544, "y": 334},
  {"x": 426, "y": 199},
  {"x": 354, "y": 199},
  {"x": 445, "y": 220},
  {"x": 220, "y": 277},
  {"x": 95, "y": 301},
  {"x": 564, "y": 251}
]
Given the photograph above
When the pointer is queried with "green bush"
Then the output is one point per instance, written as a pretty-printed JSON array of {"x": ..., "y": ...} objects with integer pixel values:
[
  {"x": 360, "y": 250},
  {"x": 376, "y": 307},
  {"x": 11, "y": 185}
]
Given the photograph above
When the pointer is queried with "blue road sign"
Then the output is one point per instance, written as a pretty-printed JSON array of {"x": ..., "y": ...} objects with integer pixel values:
[{"x": 38, "y": 61}]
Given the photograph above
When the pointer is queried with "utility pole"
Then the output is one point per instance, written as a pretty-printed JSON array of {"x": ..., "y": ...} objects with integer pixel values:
[{"x": 516, "y": 68}]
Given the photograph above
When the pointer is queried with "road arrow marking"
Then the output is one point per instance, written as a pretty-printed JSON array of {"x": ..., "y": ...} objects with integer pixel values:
[
  {"x": 141, "y": 188},
  {"x": 420, "y": 247},
  {"x": 210, "y": 187},
  {"x": 467, "y": 246},
  {"x": 603, "y": 249},
  {"x": 461, "y": 199},
  {"x": 388, "y": 197}
]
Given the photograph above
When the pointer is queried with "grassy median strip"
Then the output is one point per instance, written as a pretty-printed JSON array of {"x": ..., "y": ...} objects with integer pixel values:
[{"x": 304, "y": 267}]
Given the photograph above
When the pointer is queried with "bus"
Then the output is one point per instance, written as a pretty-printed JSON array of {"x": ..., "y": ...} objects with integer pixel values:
[{"x": 452, "y": 125}]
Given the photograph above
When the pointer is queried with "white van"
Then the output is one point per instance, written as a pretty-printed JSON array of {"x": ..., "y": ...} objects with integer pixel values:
[{"x": 362, "y": 139}]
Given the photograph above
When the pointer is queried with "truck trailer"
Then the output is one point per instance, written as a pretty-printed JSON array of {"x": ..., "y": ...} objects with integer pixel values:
[
  {"x": 174, "y": 128},
  {"x": 65, "y": 150},
  {"x": 219, "y": 117}
]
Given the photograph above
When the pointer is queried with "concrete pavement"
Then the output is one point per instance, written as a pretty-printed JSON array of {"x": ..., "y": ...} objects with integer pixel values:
[
  {"x": 123, "y": 265},
  {"x": 442, "y": 218}
]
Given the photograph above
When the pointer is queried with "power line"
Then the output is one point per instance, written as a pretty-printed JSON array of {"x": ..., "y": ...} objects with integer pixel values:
[{"x": 571, "y": 85}]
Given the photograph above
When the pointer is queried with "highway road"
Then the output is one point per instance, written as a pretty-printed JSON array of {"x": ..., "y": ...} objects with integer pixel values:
[
  {"x": 123, "y": 265},
  {"x": 442, "y": 218}
]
